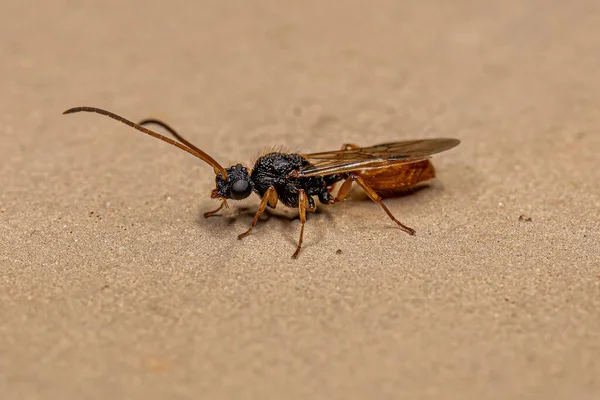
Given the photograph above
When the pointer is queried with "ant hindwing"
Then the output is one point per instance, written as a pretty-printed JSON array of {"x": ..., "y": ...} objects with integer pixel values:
[{"x": 295, "y": 179}]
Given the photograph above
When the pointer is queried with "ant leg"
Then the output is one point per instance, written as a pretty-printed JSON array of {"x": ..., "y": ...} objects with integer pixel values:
[
  {"x": 376, "y": 198},
  {"x": 261, "y": 208},
  {"x": 273, "y": 199},
  {"x": 213, "y": 212},
  {"x": 302, "y": 207},
  {"x": 345, "y": 189}
]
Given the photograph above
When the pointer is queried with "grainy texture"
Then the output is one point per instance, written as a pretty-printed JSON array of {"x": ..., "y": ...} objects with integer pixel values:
[{"x": 112, "y": 285}]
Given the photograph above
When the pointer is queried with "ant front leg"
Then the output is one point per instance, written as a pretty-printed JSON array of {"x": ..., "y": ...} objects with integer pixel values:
[
  {"x": 345, "y": 189},
  {"x": 213, "y": 212},
  {"x": 263, "y": 204}
]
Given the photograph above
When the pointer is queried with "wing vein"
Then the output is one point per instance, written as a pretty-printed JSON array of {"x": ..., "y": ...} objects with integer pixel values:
[{"x": 344, "y": 161}]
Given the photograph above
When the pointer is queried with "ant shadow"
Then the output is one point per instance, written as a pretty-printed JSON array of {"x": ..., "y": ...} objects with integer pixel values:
[
  {"x": 240, "y": 214},
  {"x": 243, "y": 213}
]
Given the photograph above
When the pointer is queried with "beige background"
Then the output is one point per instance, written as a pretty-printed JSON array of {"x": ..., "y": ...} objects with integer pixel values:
[{"x": 112, "y": 285}]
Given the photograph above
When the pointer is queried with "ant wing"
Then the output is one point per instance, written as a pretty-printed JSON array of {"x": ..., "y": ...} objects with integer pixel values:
[{"x": 365, "y": 158}]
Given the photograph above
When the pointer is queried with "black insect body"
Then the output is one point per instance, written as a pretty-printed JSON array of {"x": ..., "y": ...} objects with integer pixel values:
[
  {"x": 294, "y": 179},
  {"x": 274, "y": 169}
]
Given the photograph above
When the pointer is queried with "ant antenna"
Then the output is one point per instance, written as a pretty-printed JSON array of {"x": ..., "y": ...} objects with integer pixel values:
[
  {"x": 168, "y": 128},
  {"x": 186, "y": 146}
]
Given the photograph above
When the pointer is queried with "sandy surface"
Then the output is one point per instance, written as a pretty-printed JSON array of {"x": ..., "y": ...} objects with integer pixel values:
[{"x": 112, "y": 285}]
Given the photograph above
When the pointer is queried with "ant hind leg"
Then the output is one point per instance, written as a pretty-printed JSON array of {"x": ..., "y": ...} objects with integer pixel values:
[{"x": 345, "y": 189}]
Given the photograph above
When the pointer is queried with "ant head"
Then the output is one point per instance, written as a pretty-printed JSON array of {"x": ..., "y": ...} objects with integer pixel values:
[{"x": 237, "y": 185}]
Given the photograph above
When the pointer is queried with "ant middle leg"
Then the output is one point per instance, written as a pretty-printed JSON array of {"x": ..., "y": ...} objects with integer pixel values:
[
  {"x": 261, "y": 208},
  {"x": 345, "y": 189},
  {"x": 303, "y": 206}
]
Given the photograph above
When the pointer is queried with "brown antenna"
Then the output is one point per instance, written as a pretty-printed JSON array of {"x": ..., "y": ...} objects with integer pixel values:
[{"x": 190, "y": 148}]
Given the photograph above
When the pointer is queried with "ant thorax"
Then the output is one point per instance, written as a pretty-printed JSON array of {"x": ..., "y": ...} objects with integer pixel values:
[{"x": 273, "y": 170}]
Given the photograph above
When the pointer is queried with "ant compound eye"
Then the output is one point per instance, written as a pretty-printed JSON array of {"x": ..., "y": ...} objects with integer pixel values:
[{"x": 240, "y": 189}]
